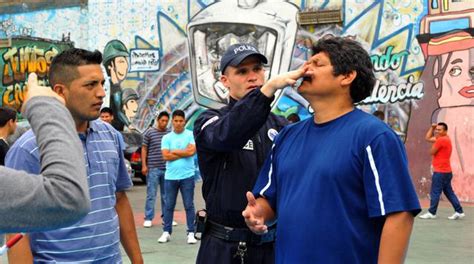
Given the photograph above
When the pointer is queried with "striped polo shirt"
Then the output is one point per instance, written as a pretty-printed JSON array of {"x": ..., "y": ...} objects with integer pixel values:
[
  {"x": 152, "y": 140},
  {"x": 96, "y": 237}
]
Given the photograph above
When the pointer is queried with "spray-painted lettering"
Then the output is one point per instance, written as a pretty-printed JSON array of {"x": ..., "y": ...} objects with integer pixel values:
[
  {"x": 388, "y": 59},
  {"x": 392, "y": 93}
]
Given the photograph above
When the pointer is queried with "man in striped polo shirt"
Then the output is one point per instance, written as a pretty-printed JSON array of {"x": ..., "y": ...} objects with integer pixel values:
[
  {"x": 76, "y": 76},
  {"x": 154, "y": 166}
]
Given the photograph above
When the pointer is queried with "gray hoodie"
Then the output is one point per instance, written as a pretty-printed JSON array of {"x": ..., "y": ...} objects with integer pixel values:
[{"x": 59, "y": 196}]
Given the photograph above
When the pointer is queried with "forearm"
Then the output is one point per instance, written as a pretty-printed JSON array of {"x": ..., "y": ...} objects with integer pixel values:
[
  {"x": 62, "y": 189},
  {"x": 395, "y": 238},
  {"x": 144, "y": 154},
  {"x": 429, "y": 134},
  {"x": 21, "y": 252},
  {"x": 170, "y": 156},
  {"x": 128, "y": 233}
]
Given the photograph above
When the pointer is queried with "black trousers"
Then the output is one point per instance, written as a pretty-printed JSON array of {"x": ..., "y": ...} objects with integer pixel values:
[{"x": 217, "y": 251}]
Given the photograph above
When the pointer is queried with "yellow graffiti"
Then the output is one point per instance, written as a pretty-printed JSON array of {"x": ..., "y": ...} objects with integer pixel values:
[{"x": 21, "y": 61}]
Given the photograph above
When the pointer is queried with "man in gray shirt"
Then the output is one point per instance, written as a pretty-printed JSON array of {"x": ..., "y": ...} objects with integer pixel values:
[{"x": 59, "y": 196}]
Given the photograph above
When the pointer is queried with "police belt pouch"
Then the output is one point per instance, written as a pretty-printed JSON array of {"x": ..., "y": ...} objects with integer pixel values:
[{"x": 239, "y": 234}]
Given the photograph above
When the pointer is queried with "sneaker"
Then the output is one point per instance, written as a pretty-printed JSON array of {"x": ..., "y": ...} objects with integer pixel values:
[
  {"x": 456, "y": 216},
  {"x": 174, "y": 223},
  {"x": 428, "y": 215},
  {"x": 191, "y": 238},
  {"x": 164, "y": 238},
  {"x": 147, "y": 223}
]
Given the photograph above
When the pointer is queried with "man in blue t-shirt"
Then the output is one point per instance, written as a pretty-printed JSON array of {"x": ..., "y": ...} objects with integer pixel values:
[
  {"x": 178, "y": 149},
  {"x": 337, "y": 183}
]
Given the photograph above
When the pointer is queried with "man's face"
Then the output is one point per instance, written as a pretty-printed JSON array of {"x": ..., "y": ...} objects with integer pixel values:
[
  {"x": 85, "y": 93},
  {"x": 440, "y": 131},
  {"x": 178, "y": 124},
  {"x": 130, "y": 108},
  {"x": 106, "y": 117},
  {"x": 162, "y": 122},
  {"x": 458, "y": 79},
  {"x": 118, "y": 69},
  {"x": 243, "y": 78},
  {"x": 321, "y": 82}
]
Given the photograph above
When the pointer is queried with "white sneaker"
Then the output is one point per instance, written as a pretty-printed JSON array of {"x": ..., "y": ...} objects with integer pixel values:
[
  {"x": 428, "y": 215},
  {"x": 164, "y": 238},
  {"x": 174, "y": 223},
  {"x": 191, "y": 239},
  {"x": 456, "y": 216},
  {"x": 147, "y": 223}
]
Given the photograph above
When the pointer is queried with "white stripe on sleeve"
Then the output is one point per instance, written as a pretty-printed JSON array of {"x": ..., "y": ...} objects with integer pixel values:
[
  {"x": 270, "y": 171},
  {"x": 377, "y": 180}
]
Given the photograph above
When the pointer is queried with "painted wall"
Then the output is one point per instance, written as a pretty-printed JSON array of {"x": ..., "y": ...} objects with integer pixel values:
[{"x": 423, "y": 53}]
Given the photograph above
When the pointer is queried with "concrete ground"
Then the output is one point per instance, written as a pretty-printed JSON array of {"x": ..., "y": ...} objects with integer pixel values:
[{"x": 432, "y": 241}]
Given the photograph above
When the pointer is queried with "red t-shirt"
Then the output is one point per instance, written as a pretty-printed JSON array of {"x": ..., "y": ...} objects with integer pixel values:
[{"x": 441, "y": 158}]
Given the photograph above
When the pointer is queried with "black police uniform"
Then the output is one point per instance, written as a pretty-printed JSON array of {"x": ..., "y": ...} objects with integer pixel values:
[{"x": 232, "y": 144}]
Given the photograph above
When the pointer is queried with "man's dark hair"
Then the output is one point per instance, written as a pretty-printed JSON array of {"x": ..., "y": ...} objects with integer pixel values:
[
  {"x": 444, "y": 125},
  {"x": 63, "y": 68},
  {"x": 347, "y": 55},
  {"x": 162, "y": 114},
  {"x": 107, "y": 110},
  {"x": 6, "y": 114},
  {"x": 178, "y": 113},
  {"x": 379, "y": 114}
]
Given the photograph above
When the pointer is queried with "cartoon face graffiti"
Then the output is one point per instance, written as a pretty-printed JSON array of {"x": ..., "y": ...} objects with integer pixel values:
[
  {"x": 458, "y": 79},
  {"x": 118, "y": 68}
]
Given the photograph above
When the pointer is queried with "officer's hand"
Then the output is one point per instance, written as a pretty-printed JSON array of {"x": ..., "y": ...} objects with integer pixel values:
[
  {"x": 253, "y": 215},
  {"x": 35, "y": 90},
  {"x": 283, "y": 80}
]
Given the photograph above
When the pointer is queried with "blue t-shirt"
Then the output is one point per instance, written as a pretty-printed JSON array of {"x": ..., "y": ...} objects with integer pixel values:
[
  {"x": 181, "y": 168},
  {"x": 331, "y": 185},
  {"x": 95, "y": 238}
]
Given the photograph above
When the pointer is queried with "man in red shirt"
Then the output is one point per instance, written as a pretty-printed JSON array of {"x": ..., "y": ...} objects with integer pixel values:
[{"x": 442, "y": 173}]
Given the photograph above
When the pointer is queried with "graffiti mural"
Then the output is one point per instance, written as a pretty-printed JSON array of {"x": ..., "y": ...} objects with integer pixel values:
[
  {"x": 24, "y": 56},
  {"x": 446, "y": 39},
  {"x": 164, "y": 56}
]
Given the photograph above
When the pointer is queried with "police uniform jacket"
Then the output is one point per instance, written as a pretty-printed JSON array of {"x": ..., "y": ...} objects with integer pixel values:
[{"x": 232, "y": 144}]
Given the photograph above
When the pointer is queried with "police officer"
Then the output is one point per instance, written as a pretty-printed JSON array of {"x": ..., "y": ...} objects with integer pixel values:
[{"x": 232, "y": 143}]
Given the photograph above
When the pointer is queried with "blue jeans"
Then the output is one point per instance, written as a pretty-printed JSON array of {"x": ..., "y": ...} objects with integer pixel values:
[
  {"x": 155, "y": 177},
  {"x": 186, "y": 186},
  {"x": 441, "y": 182}
]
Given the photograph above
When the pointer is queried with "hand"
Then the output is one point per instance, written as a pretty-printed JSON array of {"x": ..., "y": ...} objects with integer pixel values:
[
  {"x": 144, "y": 170},
  {"x": 283, "y": 80},
  {"x": 35, "y": 90},
  {"x": 253, "y": 215},
  {"x": 434, "y": 125}
]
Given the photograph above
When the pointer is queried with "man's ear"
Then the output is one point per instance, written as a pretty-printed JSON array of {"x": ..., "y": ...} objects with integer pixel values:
[
  {"x": 348, "y": 78},
  {"x": 60, "y": 89},
  {"x": 225, "y": 81}
]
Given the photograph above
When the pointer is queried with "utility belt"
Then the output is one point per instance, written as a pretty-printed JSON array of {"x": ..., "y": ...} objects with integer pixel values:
[{"x": 232, "y": 234}]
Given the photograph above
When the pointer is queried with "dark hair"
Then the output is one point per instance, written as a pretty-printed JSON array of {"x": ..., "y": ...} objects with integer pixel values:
[
  {"x": 162, "y": 114},
  {"x": 107, "y": 110},
  {"x": 179, "y": 113},
  {"x": 379, "y": 114},
  {"x": 347, "y": 55},
  {"x": 6, "y": 114},
  {"x": 293, "y": 118},
  {"x": 64, "y": 66},
  {"x": 444, "y": 125}
]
